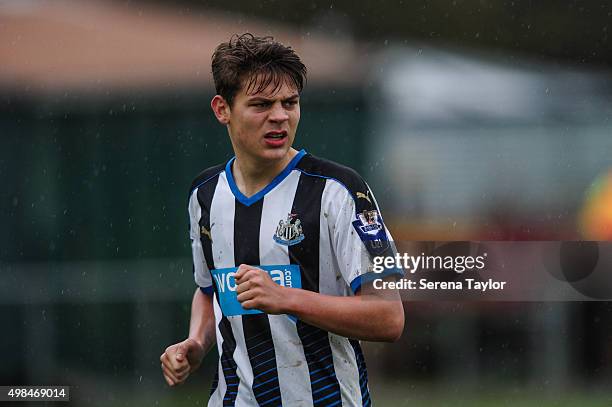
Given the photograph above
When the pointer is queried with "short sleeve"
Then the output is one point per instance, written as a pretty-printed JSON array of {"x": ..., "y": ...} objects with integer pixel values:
[
  {"x": 359, "y": 234},
  {"x": 200, "y": 269}
]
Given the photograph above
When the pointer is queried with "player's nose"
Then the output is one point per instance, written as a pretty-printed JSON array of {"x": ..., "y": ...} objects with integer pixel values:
[{"x": 278, "y": 113}]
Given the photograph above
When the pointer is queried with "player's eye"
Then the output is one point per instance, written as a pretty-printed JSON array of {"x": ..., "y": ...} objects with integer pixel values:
[{"x": 290, "y": 103}]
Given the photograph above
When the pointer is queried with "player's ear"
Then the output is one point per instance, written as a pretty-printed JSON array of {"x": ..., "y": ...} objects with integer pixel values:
[{"x": 221, "y": 109}]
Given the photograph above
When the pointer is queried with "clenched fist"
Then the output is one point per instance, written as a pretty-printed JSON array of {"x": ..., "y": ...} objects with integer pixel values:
[
  {"x": 256, "y": 290},
  {"x": 180, "y": 359}
]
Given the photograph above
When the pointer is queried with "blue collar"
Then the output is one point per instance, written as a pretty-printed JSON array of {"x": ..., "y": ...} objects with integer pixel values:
[{"x": 277, "y": 180}]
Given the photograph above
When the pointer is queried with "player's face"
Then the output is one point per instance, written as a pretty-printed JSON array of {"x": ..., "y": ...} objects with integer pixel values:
[{"x": 262, "y": 125}]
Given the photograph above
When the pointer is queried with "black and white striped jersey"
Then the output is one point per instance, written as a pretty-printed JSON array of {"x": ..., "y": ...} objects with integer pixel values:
[{"x": 314, "y": 227}]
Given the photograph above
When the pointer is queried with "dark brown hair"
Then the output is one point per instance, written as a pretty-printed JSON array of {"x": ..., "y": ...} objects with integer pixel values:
[{"x": 256, "y": 62}]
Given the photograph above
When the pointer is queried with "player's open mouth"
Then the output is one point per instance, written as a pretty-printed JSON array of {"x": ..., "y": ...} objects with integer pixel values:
[
  {"x": 276, "y": 138},
  {"x": 275, "y": 135}
]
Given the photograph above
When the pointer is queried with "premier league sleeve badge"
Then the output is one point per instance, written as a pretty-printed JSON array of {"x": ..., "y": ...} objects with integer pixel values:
[{"x": 369, "y": 225}]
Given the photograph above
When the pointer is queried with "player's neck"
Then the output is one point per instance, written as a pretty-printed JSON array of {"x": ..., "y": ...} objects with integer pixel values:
[{"x": 251, "y": 176}]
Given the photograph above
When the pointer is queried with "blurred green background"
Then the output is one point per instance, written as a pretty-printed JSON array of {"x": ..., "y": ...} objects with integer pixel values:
[{"x": 469, "y": 119}]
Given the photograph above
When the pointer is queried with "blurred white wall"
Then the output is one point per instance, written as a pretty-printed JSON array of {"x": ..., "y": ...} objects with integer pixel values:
[{"x": 461, "y": 136}]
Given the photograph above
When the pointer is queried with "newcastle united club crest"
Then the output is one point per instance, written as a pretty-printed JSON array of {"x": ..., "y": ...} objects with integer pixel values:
[{"x": 289, "y": 231}]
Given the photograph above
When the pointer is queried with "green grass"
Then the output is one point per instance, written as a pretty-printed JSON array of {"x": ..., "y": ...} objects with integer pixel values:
[
  {"x": 496, "y": 400},
  {"x": 410, "y": 395},
  {"x": 481, "y": 395}
]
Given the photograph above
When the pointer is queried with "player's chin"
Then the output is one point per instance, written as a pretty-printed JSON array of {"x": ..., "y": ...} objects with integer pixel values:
[{"x": 276, "y": 153}]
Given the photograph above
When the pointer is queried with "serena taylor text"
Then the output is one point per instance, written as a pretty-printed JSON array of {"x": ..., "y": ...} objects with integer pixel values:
[{"x": 424, "y": 284}]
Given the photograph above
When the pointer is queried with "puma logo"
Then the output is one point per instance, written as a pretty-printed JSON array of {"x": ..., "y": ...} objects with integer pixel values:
[
  {"x": 364, "y": 196},
  {"x": 206, "y": 232}
]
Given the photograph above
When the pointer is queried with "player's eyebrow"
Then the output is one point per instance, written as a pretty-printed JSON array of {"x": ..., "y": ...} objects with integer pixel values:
[{"x": 265, "y": 99}]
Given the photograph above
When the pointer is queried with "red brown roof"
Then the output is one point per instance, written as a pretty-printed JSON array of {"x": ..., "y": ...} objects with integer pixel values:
[{"x": 68, "y": 45}]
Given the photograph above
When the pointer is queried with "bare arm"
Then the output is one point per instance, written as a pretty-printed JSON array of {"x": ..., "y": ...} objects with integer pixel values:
[
  {"x": 368, "y": 317},
  {"x": 182, "y": 358},
  {"x": 372, "y": 317},
  {"x": 202, "y": 323}
]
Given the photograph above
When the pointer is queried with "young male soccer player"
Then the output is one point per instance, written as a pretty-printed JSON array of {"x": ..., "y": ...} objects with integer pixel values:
[{"x": 281, "y": 243}]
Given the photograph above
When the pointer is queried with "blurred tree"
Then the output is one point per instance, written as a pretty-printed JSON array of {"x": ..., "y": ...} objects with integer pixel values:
[{"x": 575, "y": 30}]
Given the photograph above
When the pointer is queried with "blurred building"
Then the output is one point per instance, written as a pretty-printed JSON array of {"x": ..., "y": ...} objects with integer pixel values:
[{"x": 475, "y": 147}]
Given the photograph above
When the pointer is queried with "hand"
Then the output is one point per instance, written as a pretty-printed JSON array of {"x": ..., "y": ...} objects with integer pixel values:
[
  {"x": 256, "y": 290},
  {"x": 180, "y": 359}
]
